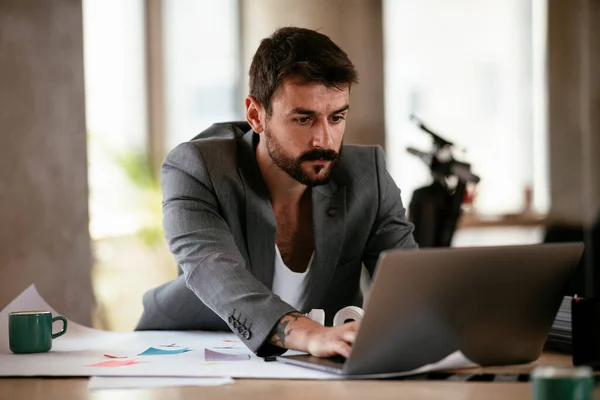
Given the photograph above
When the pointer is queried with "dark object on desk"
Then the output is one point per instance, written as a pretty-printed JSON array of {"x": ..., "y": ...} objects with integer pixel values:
[
  {"x": 560, "y": 336},
  {"x": 494, "y": 304},
  {"x": 586, "y": 280},
  {"x": 435, "y": 209},
  {"x": 586, "y": 331}
]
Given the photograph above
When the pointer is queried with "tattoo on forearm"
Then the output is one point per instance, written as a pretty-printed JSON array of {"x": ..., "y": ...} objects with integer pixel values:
[{"x": 282, "y": 330}]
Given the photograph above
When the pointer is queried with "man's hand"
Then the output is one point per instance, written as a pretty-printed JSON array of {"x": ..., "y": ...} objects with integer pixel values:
[{"x": 297, "y": 332}]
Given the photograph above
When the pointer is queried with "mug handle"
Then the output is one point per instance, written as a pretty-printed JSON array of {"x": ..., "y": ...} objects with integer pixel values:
[{"x": 64, "y": 328}]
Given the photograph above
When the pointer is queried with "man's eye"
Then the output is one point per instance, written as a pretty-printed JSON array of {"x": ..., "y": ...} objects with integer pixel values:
[
  {"x": 303, "y": 120},
  {"x": 337, "y": 118}
]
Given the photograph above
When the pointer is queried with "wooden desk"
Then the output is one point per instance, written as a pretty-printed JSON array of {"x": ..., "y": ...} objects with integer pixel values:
[
  {"x": 547, "y": 359},
  {"x": 61, "y": 389}
]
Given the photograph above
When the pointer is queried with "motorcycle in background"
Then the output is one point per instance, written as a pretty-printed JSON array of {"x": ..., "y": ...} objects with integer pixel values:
[{"x": 436, "y": 209}]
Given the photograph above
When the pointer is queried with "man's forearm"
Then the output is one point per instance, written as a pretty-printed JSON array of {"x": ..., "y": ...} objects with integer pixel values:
[
  {"x": 292, "y": 330},
  {"x": 295, "y": 331}
]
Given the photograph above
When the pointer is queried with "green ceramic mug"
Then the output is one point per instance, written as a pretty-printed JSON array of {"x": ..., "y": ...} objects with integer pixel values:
[
  {"x": 31, "y": 331},
  {"x": 555, "y": 383}
]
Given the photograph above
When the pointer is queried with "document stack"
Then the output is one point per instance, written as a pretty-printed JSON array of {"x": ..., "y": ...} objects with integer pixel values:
[{"x": 559, "y": 338}]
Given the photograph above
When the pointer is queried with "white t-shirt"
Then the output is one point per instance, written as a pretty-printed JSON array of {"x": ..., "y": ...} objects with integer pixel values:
[{"x": 289, "y": 285}]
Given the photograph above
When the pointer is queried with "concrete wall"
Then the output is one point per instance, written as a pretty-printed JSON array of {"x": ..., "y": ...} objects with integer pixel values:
[
  {"x": 44, "y": 235},
  {"x": 355, "y": 25},
  {"x": 574, "y": 110}
]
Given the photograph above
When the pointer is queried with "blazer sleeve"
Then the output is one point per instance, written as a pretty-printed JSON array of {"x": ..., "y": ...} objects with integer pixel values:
[
  {"x": 391, "y": 229},
  {"x": 204, "y": 248}
]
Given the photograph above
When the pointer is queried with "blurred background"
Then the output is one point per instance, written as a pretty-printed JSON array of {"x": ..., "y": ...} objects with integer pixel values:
[{"x": 94, "y": 93}]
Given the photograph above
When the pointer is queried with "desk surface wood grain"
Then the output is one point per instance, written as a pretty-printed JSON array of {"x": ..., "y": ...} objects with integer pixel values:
[{"x": 76, "y": 388}]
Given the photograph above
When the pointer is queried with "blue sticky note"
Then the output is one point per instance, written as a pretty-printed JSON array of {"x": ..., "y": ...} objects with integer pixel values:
[{"x": 153, "y": 351}]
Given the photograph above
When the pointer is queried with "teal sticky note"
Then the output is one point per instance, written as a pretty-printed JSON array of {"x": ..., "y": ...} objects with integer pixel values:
[{"x": 153, "y": 351}]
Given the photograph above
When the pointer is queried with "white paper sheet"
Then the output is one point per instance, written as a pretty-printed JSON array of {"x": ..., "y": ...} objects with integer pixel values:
[
  {"x": 81, "y": 349},
  {"x": 76, "y": 352},
  {"x": 139, "y": 382}
]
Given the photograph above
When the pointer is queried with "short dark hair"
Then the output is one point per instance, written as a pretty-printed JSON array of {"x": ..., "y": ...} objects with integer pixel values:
[{"x": 298, "y": 52}]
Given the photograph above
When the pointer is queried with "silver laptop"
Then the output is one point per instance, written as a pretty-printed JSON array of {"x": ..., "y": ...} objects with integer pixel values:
[{"x": 495, "y": 304}]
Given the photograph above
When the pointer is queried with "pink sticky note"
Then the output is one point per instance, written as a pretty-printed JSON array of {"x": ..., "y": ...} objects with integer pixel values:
[{"x": 114, "y": 363}]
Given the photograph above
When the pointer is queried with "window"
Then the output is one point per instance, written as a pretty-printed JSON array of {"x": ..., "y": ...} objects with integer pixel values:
[
  {"x": 201, "y": 66},
  {"x": 466, "y": 68},
  {"x": 115, "y": 85}
]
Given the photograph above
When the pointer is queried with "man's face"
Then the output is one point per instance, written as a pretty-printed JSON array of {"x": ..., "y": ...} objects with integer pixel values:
[{"x": 305, "y": 130}]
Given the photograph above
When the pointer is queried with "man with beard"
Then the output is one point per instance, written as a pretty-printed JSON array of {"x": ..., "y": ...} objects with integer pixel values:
[{"x": 270, "y": 218}]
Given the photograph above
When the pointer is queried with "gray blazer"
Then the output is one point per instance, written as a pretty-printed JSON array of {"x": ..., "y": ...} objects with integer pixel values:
[{"x": 220, "y": 226}]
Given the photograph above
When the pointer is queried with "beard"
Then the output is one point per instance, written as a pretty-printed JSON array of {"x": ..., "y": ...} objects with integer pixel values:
[{"x": 313, "y": 175}]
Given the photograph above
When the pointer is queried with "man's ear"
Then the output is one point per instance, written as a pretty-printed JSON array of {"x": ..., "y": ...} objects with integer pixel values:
[{"x": 255, "y": 114}]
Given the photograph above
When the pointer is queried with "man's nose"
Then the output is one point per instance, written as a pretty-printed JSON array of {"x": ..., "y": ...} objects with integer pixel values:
[{"x": 322, "y": 135}]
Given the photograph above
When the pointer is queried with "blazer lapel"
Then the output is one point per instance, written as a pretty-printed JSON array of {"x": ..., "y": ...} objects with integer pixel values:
[
  {"x": 261, "y": 226},
  {"x": 329, "y": 224}
]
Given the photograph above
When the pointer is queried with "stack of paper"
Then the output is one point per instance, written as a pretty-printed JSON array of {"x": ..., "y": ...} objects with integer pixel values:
[{"x": 559, "y": 338}]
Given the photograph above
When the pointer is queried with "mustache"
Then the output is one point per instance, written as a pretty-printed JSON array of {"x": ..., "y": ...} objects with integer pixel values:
[{"x": 319, "y": 154}]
